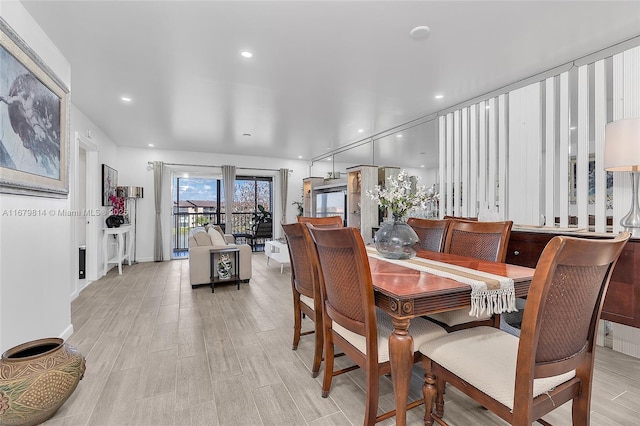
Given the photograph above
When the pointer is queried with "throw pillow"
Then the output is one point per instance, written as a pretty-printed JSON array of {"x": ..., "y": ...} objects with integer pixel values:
[
  {"x": 216, "y": 238},
  {"x": 217, "y": 228},
  {"x": 201, "y": 239}
]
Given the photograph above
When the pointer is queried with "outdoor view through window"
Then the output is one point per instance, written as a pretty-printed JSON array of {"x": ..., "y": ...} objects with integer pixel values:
[{"x": 200, "y": 200}]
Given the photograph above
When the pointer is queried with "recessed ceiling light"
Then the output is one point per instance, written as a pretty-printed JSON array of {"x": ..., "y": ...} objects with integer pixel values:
[
  {"x": 299, "y": 156},
  {"x": 151, "y": 145},
  {"x": 420, "y": 33},
  {"x": 422, "y": 165},
  {"x": 360, "y": 130},
  {"x": 399, "y": 136},
  {"x": 246, "y": 54},
  {"x": 439, "y": 96},
  {"x": 246, "y": 134},
  {"x": 125, "y": 99}
]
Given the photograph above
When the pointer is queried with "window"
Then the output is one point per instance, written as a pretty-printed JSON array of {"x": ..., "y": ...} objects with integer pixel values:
[
  {"x": 200, "y": 200},
  {"x": 251, "y": 192}
]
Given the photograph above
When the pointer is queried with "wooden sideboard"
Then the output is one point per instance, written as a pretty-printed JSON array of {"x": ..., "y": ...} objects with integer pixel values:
[{"x": 622, "y": 302}]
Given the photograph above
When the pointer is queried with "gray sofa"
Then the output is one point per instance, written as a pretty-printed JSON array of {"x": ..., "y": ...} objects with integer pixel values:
[{"x": 200, "y": 244}]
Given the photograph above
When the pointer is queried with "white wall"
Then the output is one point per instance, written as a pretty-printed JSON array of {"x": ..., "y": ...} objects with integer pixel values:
[
  {"x": 107, "y": 154},
  {"x": 133, "y": 170},
  {"x": 35, "y": 252}
]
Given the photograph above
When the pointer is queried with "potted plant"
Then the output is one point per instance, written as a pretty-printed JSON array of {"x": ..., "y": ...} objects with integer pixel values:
[
  {"x": 299, "y": 206},
  {"x": 261, "y": 216}
]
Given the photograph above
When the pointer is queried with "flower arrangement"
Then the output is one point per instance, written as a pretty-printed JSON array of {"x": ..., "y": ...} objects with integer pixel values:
[
  {"x": 118, "y": 205},
  {"x": 398, "y": 196}
]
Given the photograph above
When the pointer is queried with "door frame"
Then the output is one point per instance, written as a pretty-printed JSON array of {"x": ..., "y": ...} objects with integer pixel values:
[{"x": 89, "y": 211}]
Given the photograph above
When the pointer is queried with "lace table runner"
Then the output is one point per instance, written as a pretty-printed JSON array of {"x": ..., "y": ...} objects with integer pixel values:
[{"x": 493, "y": 294}]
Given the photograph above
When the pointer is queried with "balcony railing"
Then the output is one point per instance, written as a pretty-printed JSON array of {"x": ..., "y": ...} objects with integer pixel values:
[{"x": 183, "y": 223}]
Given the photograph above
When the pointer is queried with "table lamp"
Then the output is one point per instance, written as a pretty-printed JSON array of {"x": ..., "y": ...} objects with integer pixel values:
[{"x": 622, "y": 154}]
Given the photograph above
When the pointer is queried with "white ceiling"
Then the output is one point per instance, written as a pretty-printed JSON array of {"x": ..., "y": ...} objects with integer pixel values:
[{"x": 320, "y": 72}]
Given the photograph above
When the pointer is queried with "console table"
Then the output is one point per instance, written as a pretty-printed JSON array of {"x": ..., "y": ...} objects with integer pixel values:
[
  {"x": 277, "y": 251},
  {"x": 123, "y": 246},
  {"x": 622, "y": 302}
]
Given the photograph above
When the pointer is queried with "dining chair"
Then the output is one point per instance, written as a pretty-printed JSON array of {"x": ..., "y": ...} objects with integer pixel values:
[
  {"x": 480, "y": 240},
  {"x": 351, "y": 320},
  {"x": 305, "y": 288},
  {"x": 431, "y": 232},
  {"x": 521, "y": 380},
  {"x": 472, "y": 218},
  {"x": 323, "y": 222}
]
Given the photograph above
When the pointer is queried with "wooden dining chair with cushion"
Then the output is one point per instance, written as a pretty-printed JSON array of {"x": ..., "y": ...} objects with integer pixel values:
[
  {"x": 481, "y": 240},
  {"x": 305, "y": 287},
  {"x": 431, "y": 232},
  {"x": 551, "y": 363},
  {"x": 351, "y": 320},
  {"x": 323, "y": 222}
]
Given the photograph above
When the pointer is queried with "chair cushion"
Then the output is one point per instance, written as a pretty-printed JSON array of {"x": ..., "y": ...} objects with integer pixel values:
[
  {"x": 306, "y": 300},
  {"x": 421, "y": 330},
  {"x": 457, "y": 317},
  {"x": 217, "y": 239},
  {"x": 202, "y": 239},
  {"x": 485, "y": 357}
]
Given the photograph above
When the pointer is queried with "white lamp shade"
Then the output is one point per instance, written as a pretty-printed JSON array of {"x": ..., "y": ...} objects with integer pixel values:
[
  {"x": 622, "y": 146},
  {"x": 130, "y": 191}
]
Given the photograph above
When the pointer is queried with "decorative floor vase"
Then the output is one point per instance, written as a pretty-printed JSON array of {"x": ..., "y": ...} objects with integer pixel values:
[
  {"x": 36, "y": 378},
  {"x": 396, "y": 240}
]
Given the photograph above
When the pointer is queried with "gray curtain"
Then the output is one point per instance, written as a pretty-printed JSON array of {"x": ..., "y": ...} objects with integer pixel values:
[
  {"x": 229, "y": 183},
  {"x": 284, "y": 185},
  {"x": 157, "y": 190}
]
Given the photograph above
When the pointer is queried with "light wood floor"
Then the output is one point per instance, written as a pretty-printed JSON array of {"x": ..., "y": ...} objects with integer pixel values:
[{"x": 160, "y": 353}]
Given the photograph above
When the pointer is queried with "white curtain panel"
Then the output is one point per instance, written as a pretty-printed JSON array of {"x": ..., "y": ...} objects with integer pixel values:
[
  {"x": 157, "y": 190},
  {"x": 284, "y": 185},
  {"x": 229, "y": 183}
]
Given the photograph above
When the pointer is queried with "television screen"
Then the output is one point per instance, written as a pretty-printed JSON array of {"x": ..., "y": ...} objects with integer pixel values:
[{"x": 331, "y": 204}]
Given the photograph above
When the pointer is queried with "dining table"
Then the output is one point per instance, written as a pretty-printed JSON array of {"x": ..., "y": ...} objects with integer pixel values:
[{"x": 405, "y": 293}]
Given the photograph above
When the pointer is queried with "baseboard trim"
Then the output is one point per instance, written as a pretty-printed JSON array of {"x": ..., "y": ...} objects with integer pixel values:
[{"x": 67, "y": 332}]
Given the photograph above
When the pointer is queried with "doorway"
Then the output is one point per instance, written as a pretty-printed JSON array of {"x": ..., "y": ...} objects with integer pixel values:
[{"x": 87, "y": 222}]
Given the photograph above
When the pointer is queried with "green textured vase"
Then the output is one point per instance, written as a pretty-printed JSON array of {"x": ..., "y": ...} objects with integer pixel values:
[{"x": 36, "y": 378}]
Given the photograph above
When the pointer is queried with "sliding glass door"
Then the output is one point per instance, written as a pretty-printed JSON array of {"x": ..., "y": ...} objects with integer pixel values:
[{"x": 198, "y": 201}]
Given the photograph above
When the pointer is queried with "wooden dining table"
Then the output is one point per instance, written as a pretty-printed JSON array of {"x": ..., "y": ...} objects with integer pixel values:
[{"x": 406, "y": 293}]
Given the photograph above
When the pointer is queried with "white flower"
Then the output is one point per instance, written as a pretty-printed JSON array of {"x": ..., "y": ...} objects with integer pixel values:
[{"x": 398, "y": 196}]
